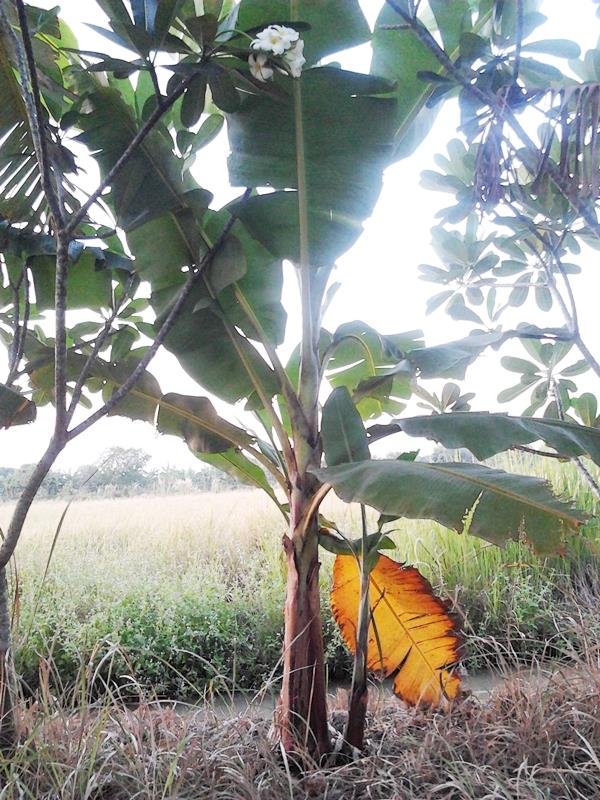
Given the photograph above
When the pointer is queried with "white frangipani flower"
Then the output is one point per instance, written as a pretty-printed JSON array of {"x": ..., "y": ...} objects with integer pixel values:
[
  {"x": 275, "y": 39},
  {"x": 259, "y": 68},
  {"x": 294, "y": 58}
]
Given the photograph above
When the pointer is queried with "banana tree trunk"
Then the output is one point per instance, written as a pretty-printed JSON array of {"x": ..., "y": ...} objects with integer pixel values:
[
  {"x": 7, "y": 721},
  {"x": 357, "y": 708},
  {"x": 302, "y": 710}
]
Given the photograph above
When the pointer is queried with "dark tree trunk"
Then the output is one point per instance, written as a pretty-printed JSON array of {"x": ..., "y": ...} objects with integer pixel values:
[{"x": 302, "y": 710}]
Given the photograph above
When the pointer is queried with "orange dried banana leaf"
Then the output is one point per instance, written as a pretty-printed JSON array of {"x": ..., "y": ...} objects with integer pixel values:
[{"x": 411, "y": 632}]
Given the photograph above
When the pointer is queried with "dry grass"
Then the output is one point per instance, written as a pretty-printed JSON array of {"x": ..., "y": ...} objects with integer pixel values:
[
  {"x": 192, "y": 587},
  {"x": 151, "y": 528},
  {"x": 535, "y": 737}
]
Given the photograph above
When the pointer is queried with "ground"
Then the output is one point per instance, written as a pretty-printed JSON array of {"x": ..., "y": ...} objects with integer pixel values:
[{"x": 535, "y": 736}]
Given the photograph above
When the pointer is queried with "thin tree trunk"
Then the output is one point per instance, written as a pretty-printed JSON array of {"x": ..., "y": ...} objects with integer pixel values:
[
  {"x": 7, "y": 720},
  {"x": 357, "y": 708},
  {"x": 302, "y": 712}
]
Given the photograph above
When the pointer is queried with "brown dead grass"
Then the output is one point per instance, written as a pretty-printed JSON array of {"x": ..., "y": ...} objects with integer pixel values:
[{"x": 535, "y": 737}]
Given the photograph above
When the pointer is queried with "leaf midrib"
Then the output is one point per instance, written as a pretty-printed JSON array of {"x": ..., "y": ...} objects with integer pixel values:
[{"x": 408, "y": 634}]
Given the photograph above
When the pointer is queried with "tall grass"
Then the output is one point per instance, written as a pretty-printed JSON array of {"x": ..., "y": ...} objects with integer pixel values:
[
  {"x": 182, "y": 597},
  {"x": 186, "y": 593},
  {"x": 536, "y": 736}
]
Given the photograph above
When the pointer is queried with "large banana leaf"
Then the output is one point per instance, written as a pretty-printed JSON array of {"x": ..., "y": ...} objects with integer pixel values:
[
  {"x": 333, "y": 139},
  {"x": 150, "y": 184},
  {"x": 485, "y": 434},
  {"x": 210, "y": 437},
  {"x": 88, "y": 287},
  {"x": 373, "y": 367},
  {"x": 169, "y": 228},
  {"x": 492, "y": 504},
  {"x": 343, "y": 432},
  {"x": 411, "y": 632},
  {"x": 220, "y": 359},
  {"x": 196, "y": 421},
  {"x": 239, "y": 467},
  {"x": 91, "y": 269},
  {"x": 399, "y": 55},
  {"x": 206, "y": 339}
]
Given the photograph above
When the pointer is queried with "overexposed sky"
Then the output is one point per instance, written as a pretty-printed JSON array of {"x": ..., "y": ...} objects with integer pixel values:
[{"x": 379, "y": 275}]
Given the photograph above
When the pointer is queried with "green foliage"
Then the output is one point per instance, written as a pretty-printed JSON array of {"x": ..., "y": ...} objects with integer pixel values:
[
  {"x": 170, "y": 609},
  {"x": 344, "y": 435},
  {"x": 513, "y": 238},
  {"x": 174, "y": 647},
  {"x": 545, "y": 375},
  {"x": 14, "y": 408},
  {"x": 21, "y": 194},
  {"x": 486, "y": 435},
  {"x": 489, "y": 503},
  {"x": 345, "y": 125}
]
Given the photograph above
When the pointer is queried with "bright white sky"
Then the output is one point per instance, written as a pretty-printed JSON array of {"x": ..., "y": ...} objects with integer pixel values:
[{"x": 379, "y": 274}]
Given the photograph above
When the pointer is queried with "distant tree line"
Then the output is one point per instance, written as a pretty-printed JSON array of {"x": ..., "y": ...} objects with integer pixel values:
[
  {"x": 119, "y": 472},
  {"x": 124, "y": 471}
]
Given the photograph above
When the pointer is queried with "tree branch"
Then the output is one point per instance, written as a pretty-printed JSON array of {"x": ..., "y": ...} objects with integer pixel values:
[
  {"x": 586, "y": 353},
  {"x": 568, "y": 287},
  {"x": 553, "y": 251},
  {"x": 60, "y": 341},
  {"x": 164, "y": 330},
  {"x": 581, "y": 467},
  {"x": 13, "y": 363},
  {"x": 98, "y": 344},
  {"x": 19, "y": 330},
  {"x": 128, "y": 152},
  {"x": 155, "y": 84},
  {"x": 26, "y": 499},
  {"x": 519, "y": 41},
  {"x": 487, "y": 99},
  {"x": 35, "y": 117},
  {"x": 571, "y": 317}
]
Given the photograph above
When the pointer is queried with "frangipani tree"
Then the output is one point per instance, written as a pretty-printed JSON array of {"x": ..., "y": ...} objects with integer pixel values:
[
  {"x": 524, "y": 176},
  {"x": 309, "y": 143}
]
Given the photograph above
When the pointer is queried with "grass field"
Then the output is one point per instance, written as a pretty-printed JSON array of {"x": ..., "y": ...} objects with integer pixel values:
[
  {"x": 184, "y": 594},
  {"x": 181, "y": 597}
]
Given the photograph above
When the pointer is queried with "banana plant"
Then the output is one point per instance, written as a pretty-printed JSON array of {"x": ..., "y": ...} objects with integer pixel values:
[{"x": 308, "y": 146}]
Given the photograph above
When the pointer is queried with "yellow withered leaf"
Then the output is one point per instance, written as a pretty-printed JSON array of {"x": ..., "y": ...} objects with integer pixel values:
[{"x": 411, "y": 632}]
